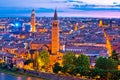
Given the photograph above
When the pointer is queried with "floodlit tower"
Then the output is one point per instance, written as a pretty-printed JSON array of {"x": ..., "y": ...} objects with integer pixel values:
[
  {"x": 33, "y": 20},
  {"x": 100, "y": 23},
  {"x": 55, "y": 34}
]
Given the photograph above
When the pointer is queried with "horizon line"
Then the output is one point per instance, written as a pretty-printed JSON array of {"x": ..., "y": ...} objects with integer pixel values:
[{"x": 58, "y": 17}]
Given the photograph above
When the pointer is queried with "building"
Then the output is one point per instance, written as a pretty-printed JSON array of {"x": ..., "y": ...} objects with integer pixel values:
[
  {"x": 100, "y": 23},
  {"x": 108, "y": 44},
  {"x": 26, "y": 27},
  {"x": 55, "y": 34},
  {"x": 75, "y": 26},
  {"x": 33, "y": 21}
]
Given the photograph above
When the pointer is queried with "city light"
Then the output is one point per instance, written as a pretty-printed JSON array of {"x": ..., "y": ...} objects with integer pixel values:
[
  {"x": 78, "y": 40},
  {"x": 17, "y": 24}
]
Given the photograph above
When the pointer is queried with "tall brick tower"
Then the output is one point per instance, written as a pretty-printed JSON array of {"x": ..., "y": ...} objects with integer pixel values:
[
  {"x": 33, "y": 27},
  {"x": 55, "y": 34},
  {"x": 100, "y": 23}
]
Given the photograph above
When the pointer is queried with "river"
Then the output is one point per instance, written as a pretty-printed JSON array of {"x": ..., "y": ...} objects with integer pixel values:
[{"x": 4, "y": 76}]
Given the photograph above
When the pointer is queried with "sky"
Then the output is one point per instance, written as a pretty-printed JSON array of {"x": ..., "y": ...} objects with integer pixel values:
[{"x": 65, "y": 8}]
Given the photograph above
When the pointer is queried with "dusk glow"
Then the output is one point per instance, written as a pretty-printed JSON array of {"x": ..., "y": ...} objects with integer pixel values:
[
  {"x": 68, "y": 8},
  {"x": 59, "y": 39}
]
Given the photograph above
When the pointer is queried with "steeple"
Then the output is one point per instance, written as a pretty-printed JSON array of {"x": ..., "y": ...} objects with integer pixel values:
[
  {"x": 55, "y": 15},
  {"x": 33, "y": 12}
]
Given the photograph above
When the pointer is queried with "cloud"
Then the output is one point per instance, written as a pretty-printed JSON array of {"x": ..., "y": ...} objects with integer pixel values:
[
  {"x": 53, "y": 3},
  {"x": 63, "y": 6},
  {"x": 100, "y": 2},
  {"x": 59, "y": 3}
]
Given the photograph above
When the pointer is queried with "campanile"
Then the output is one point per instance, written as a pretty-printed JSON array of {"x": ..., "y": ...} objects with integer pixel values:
[
  {"x": 55, "y": 34},
  {"x": 33, "y": 27}
]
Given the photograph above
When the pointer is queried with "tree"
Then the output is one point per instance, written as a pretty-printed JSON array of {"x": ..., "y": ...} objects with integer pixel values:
[
  {"x": 106, "y": 63},
  {"x": 43, "y": 59},
  {"x": 56, "y": 67},
  {"x": 65, "y": 68},
  {"x": 115, "y": 75},
  {"x": 28, "y": 61},
  {"x": 115, "y": 55},
  {"x": 105, "y": 74},
  {"x": 69, "y": 68},
  {"x": 83, "y": 61},
  {"x": 83, "y": 71},
  {"x": 94, "y": 72},
  {"x": 98, "y": 73},
  {"x": 68, "y": 58}
]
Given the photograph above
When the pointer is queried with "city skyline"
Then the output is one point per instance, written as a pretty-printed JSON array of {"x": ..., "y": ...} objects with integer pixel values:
[
  {"x": 60, "y": 39},
  {"x": 65, "y": 8}
]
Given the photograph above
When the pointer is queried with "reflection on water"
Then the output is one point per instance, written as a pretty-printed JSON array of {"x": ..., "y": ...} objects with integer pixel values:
[
  {"x": 4, "y": 76},
  {"x": 19, "y": 78},
  {"x": 29, "y": 78}
]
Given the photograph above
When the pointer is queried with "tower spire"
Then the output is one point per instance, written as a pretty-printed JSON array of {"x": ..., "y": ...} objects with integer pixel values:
[
  {"x": 33, "y": 12},
  {"x": 55, "y": 15}
]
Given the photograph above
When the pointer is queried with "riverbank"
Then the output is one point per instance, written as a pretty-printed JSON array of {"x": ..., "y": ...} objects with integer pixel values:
[
  {"x": 8, "y": 69},
  {"x": 17, "y": 73},
  {"x": 40, "y": 75}
]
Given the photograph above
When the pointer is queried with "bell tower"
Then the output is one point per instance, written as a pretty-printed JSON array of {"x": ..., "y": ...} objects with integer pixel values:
[
  {"x": 55, "y": 34},
  {"x": 33, "y": 27},
  {"x": 100, "y": 23}
]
